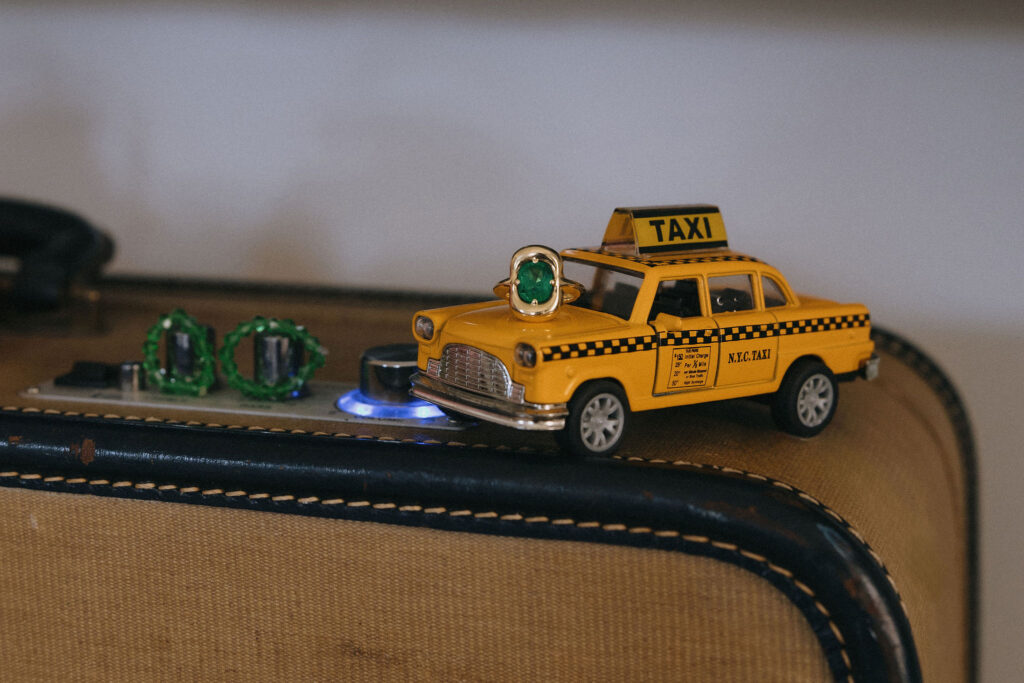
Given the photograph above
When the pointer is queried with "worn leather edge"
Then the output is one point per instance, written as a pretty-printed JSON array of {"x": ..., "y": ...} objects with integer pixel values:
[
  {"x": 939, "y": 381},
  {"x": 153, "y": 283},
  {"x": 777, "y": 532}
]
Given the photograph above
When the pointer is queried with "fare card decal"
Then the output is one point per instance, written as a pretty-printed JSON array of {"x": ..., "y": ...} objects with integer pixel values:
[
  {"x": 690, "y": 366},
  {"x": 673, "y": 233}
]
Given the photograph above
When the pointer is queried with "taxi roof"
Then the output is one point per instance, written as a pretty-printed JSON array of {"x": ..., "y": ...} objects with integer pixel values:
[{"x": 670, "y": 263}]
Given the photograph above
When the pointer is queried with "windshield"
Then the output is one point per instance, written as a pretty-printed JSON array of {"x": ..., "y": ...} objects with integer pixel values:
[{"x": 608, "y": 290}]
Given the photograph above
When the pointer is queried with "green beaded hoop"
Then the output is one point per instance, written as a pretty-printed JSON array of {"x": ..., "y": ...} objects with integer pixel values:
[
  {"x": 284, "y": 388},
  {"x": 169, "y": 381}
]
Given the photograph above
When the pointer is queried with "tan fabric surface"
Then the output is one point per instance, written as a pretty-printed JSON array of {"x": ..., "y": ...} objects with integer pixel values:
[
  {"x": 888, "y": 464},
  {"x": 98, "y": 588}
]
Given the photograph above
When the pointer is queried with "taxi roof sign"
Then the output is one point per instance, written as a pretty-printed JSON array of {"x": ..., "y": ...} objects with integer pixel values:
[{"x": 654, "y": 229}]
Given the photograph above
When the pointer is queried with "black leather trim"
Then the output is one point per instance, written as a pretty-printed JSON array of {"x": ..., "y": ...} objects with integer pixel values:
[
  {"x": 930, "y": 371},
  {"x": 138, "y": 284},
  {"x": 55, "y": 247},
  {"x": 773, "y": 531}
]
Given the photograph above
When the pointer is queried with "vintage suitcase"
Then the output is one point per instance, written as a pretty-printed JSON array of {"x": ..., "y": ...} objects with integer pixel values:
[{"x": 170, "y": 544}]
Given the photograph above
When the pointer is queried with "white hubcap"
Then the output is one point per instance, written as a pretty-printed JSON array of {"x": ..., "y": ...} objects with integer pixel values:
[
  {"x": 815, "y": 400},
  {"x": 601, "y": 422}
]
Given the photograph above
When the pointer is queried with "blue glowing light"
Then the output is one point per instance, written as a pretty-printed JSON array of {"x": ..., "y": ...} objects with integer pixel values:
[{"x": 355, "y": 403}]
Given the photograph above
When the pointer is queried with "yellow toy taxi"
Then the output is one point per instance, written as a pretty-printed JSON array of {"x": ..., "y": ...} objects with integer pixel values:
[{"x": 662, "y": 314}]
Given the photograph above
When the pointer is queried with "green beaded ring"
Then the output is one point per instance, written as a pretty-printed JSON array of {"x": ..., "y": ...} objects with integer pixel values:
[
  {"x": 169, "y": 381},
  {"x": 284, "y": 388}
]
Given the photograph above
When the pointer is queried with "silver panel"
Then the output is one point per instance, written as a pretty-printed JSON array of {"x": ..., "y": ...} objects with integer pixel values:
[{"x": 319, "y": 405}]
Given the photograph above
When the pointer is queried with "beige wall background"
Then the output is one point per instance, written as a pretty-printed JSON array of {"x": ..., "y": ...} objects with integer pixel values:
[{"x": 873, "y": 153}]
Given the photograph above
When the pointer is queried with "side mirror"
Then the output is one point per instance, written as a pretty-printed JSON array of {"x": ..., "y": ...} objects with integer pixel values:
[{"x": 668, "y": 322}]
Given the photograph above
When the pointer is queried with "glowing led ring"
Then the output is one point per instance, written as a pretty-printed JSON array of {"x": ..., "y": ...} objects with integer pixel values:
[
  {"x": 284, "y": 388},
  {"x": 168, "y": 380},
  {"x": 535, "y": 287}
]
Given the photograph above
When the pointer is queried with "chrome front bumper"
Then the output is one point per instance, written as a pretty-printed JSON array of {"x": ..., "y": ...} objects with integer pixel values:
[{"x": 528, "y": 416}]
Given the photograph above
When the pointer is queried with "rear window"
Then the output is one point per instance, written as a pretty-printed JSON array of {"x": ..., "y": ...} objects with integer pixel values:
[
  {"x": 731, "y": 293},
  {"x": 773, "y": 295}
]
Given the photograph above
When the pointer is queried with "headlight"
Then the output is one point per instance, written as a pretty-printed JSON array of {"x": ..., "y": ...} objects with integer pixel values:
[
  {"x": 424, "y": 327},
  {"x": 525, "y": 355}
]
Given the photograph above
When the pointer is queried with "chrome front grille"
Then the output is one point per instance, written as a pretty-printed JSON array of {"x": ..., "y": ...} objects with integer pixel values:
[{"x": 470, "y": 368}]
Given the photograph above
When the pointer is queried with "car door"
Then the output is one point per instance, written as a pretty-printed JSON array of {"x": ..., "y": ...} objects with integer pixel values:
[
  {"x": 748, "y": 346},
  {"x": 687, "y": 347}
]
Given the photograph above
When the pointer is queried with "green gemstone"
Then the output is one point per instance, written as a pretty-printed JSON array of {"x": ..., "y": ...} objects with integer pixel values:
[{"x": 536, "y": 281}]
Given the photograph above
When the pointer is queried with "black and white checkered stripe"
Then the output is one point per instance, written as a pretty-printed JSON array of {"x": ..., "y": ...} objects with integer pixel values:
[
  {"x": 687, "y": 337},
  {"x": 603, "y": 347},
  {"x": 704, "y": 336},
  {"x": 742, "y": 332},
  {"x": 676, "y": 261},
  {"x": 837, "y": 322}
]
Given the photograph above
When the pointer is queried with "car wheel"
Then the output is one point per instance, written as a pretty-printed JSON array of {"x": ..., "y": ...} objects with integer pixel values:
[
  {"x": 806, "y": 400},
  {"x": 598, "y": 418}
]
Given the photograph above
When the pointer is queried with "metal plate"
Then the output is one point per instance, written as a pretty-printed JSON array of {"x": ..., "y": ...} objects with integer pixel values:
[{"x": 318, "y": 405}]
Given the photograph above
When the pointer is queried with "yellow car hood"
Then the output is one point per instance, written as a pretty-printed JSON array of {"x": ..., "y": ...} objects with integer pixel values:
[{"x": 497, "y": 327}]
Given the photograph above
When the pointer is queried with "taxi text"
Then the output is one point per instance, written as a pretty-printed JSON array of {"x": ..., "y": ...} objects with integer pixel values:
[{"x": 747, "y": 356}]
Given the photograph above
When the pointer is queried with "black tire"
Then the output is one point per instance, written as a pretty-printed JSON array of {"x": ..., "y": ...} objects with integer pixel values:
[
  {"x": 598, "y": 420},
  {"x": 806, "y": 400}
]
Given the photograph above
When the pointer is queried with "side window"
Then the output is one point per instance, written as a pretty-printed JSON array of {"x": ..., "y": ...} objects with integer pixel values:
[
  {"x": 676, "y": 297},
  {"x": 773, "y": 295},
  {"x": 731, "y": 293}
]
